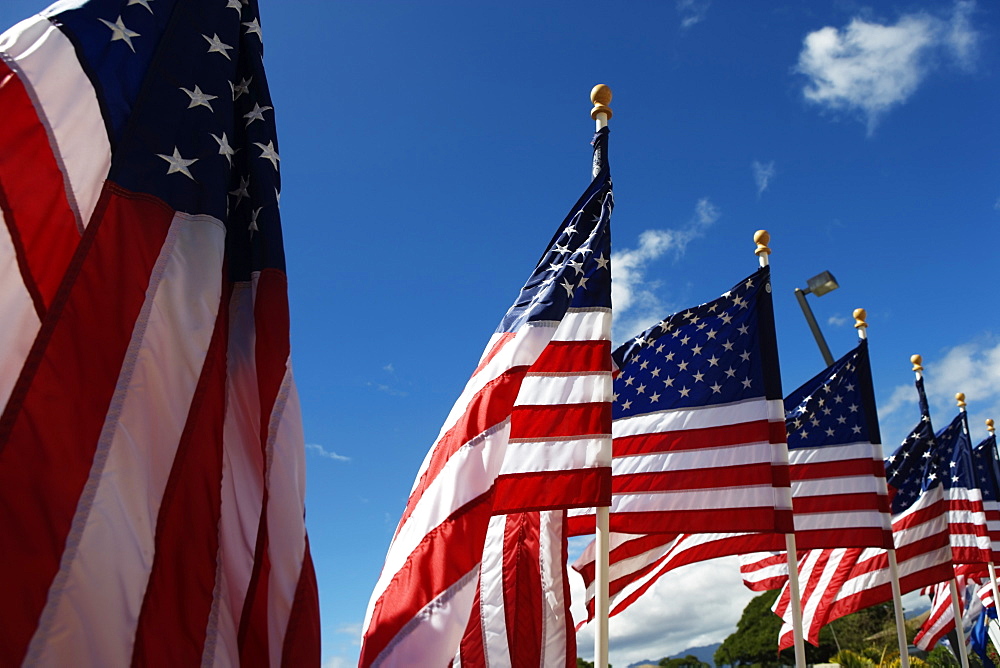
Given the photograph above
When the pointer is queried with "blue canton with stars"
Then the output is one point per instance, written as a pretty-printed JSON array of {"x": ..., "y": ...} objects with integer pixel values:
[
  {"x": 913, "y": 468},
  {"x": 715, "y": 353},
  {"x": 189, "y": 116},
  {"x": 954, "y": 454},
  {"x": 575, "y": 270},
  {"x": 987, "y": 469},
  {"x": 836, "y": 407}
]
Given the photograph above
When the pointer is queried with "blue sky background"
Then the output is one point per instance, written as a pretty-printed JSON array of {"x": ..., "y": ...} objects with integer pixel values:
[{"x": 429, "y": 150}]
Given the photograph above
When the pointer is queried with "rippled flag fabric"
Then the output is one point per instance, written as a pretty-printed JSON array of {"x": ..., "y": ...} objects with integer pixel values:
[
  {"x": 530, "y": 432},
  {"x": 987, "y": 473},
  {"x": 970, "y": 540},
  {"x": 151, "y": 448}
]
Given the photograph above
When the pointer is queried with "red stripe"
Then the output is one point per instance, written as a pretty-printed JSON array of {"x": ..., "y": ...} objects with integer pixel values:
[
  {"x": 831, "y": 503},
  {"x": 560, "y": 421},
  {"x": 757, "y": 431},
  {"x": 73, "y": 369},
  {"x": 552, "y": 490},
  {"x": 918, "y": 517},
  {"x": 179, "y": 593},
  {"x": 574, "y": 357},
  {"x": 445, "y": 555},
  {"x": 495, "y": 350},
  {"x": 722, "y": 477},
  {"x": 727, "y": 520},
  {"x": 835, "y": 469},
  {"x": 818, "y": 539},
  {"x": 472, "y": 649},
  {"x": 35, "y": 205},
  {"x": 302, "y": 639},
  {"x": 489, "y": 407},
  {"x": 958, "y": 505},
  {"x": 522, "y": 588},
  {"x": 271, "y": 352}
]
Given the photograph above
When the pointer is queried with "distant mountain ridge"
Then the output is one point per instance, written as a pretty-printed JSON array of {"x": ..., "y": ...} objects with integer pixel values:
[{"x": 704, "y": 653}]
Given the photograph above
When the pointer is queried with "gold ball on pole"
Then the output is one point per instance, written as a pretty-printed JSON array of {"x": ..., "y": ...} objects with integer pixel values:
[
  {"x": 762, "y": 238},
  {"x": 600, "y": 95},
  {"x": 860, "y": 318},
  {"x": 960, "y": 398},
  {"x": 917, "y": 362},
  {"x": 989, "y": 426}
]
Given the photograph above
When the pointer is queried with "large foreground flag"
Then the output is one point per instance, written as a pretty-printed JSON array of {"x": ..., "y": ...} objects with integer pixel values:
[
  {"x": 151, "y": 448},
  {"x": 835, "y": 583},
  {"x": 699, "y": 430},
  {"x": 530, "y": 432}
]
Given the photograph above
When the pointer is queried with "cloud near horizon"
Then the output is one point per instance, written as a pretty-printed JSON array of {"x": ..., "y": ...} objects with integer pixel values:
[
  {"x": 870, "y": 67},
  {"x": 323, "y": 452},
  {"x": 637, "y": 304}
]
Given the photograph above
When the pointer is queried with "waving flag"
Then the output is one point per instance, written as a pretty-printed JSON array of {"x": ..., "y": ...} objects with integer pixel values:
[
  {"x": 699, "y": 435},
  {"x": 970, "y": 541},
  {"x": 159, "y": 515},
  {"x": 845, "y": 580},
  {"x": 988, "y": 480},
  {"x": 530, "y": 432}
]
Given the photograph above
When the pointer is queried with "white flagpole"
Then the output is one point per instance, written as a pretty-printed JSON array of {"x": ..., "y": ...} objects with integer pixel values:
[
  {"x": 993, "y": 573},
  {"x": 959, "y": 627},
  {"x": 861, "y": 324},
  {"x": 762, "y": 238},
  {"x": 600, "y": 96}
]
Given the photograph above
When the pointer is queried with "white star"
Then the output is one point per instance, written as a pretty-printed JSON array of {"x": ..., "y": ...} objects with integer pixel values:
[
  {"x": 711, "y": 334},
  {"x": 601, "y": 261},
  {"x": 570, "y": 229},
  {"x": 716, "y": 388},
  {"x": 654, "y": 397},
  {"x": 144, "y": 3},
  {"x": 749, "y": 283},
  {"x": 727, "y": 345},
  {"x": 856, "y": 429},
  {"x": 684, "y": 391},
  {"x": 730, "y": 372},
  {"x": 253, "y": 28},
  {"x": 854, "y": 408},
  {"x": 253, "y": 220},
  {"x": 560, "y": 249},
  {"x": 744, "y": 329},
  {"x": 745, "y": 355},
  {"x": 224, "y": 147},
  {"x": 641, "y": 389},
  {"x": 567, "y": 286},
  {"x": 178, "y": 164},
  {"x": 699, "y": 377},
  {"x": 629, "y": 381},
  {"x": 682, "y": 366},
  {"x": 256, "y": 114},
  {"x": 198, "y": 98},
  {"x": 726, "y": 318},
  {"x": 242, "y": 88},
  {"x": 235, "y": 4},
  {"x": 668, "y": 381},
  {"x": 954, "y": 464},
  {"x": 120, "y": 32},
  {"x": 954, "y": 478},
  {"x": 659, "y": 348},
  {"x": 626, "y": 405},
  {"x": 242, "y": 191},
  {"x": 645, "y": 363},
  {"x": 841, "y": 420},
  {"x": 268, "y": 153},
  {"x": 804, "y": 433},
  {"x": 215, "y": 45},
  {"x": 577, "y": 266},
  {"x": 746, "y": 383},
  {"x": 829, "y": 431},
  {"x": 696, "y": 350},
  {"x": 684, "y": 340},
  {"x": 713, "y": 361},
  {"x": 669, "y": 356}
]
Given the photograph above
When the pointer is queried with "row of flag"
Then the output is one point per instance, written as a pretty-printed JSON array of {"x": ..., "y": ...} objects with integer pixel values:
[{"x": 685, "y": 434}]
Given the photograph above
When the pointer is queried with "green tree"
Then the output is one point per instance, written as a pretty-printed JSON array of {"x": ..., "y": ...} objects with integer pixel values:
[{"x": 689, "y": 661}]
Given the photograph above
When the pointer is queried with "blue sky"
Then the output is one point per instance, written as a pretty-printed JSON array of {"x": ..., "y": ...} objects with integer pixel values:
[{"x": 429, "y": 149}]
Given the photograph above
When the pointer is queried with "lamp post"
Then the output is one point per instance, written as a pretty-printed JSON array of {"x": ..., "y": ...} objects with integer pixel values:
[{"x": 818, "y": 285}]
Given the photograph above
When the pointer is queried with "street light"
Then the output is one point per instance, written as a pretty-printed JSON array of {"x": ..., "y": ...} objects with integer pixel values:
[{"x": 818, "y": 285}]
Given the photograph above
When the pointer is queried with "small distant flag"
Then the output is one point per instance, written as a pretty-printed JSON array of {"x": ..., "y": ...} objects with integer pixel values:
[{"x": 970, "y": 541}]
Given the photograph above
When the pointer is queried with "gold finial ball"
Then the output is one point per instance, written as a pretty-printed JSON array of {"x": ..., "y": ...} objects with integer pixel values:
[
  {"x": 600, "y": 95},
  {"x": 960, "y": 398},
  {"x": 762, "y": 238},
  {"x": 989, "y": 425},
  {"x": 917, "y": 362},
  {"x": 860, "y": 318}
]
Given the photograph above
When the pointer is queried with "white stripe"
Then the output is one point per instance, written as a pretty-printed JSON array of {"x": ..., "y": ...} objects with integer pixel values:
[
  {"x": 552, "y": 561},
  {"x": 20, "y": 321},
  {"x": 830, "y": 453},
  {"x": 476, "y": 464},
  {"x": 491, "y": 613},
  {"x": 569, "y": 389},
  {"x": 691, "y": 460},
  {"x": 286, "y": 482},
  {"x": 699, "y": 417},
  {"x": 857, "y": 484},
  {"x": 584, "y": 325},
  {"x": 67, "y": 104},
  {"x": 94, "y": 603},
  {"x": 712, "y": 499},
  {"x": 581, "y": 453},
  {"x": 242, "y": 482},
  {"x": 839, "y": 520}
]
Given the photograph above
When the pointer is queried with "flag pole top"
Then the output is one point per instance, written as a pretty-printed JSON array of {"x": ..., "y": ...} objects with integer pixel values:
[
  {"x": 918, "y": 362},
  {"x": 860, "y": 318},
  {"x": 960, "y": 398},
  {"x": 762, "y": 238},
  {"x": 600, "y": 95},
  {"x": 989, "y": 426}
]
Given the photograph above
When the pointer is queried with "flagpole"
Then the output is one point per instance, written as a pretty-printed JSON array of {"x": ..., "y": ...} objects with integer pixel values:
[
  {"x": 600, "y": 96},
  {"x": 861, "y": 324},
  {"x": 953, "y": 585},
  {"x": 762, "y": 238}
]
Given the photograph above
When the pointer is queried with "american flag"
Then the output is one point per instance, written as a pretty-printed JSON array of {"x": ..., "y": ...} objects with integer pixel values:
[
  {"x": 988, "y": 480},
  {"x": 941, "y": 620},
  {"x": 151, "y": 446},
  {"x": 970, "y": 541},
  {"x": 845, "y": 580},
  {"x": 699, "y": 434},
  {"x": 531, "y": 431}
]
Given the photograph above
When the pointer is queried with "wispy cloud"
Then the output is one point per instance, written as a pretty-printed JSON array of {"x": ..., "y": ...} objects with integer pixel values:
[
  {"x": 763, "y": 172},
  {"x": 323, "y": 452},
  {"x": 389, "y": 368},
  {"x": 838, "y": 320},
  {"x": 637, "y": 304},
  {"x": 869, "y": 67},
  {"x": 692, "y": 11}
]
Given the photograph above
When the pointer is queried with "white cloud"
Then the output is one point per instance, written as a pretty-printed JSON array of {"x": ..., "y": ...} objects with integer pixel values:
[
  {"x": 838, "y": 320},
  {"x": 634, "y": 297},
  {"x": 692, "y": 12},
  {"x": 871, "y": 67},
  {"x": 323, "y": 452},
  {"x": 972, "y": 368},
  {"x": 762, "y": 175},
  {"x": 389, "y": 368},
  {"x": 694, "y": 605}
]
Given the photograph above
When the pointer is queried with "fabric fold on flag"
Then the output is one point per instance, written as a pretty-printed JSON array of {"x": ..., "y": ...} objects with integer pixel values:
[
  {"x": 970, "y": 540},
  {"x": 530, "y": 432},
  {"x": 987, "y": 472},
  {"x": 143, "y": 274}
]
